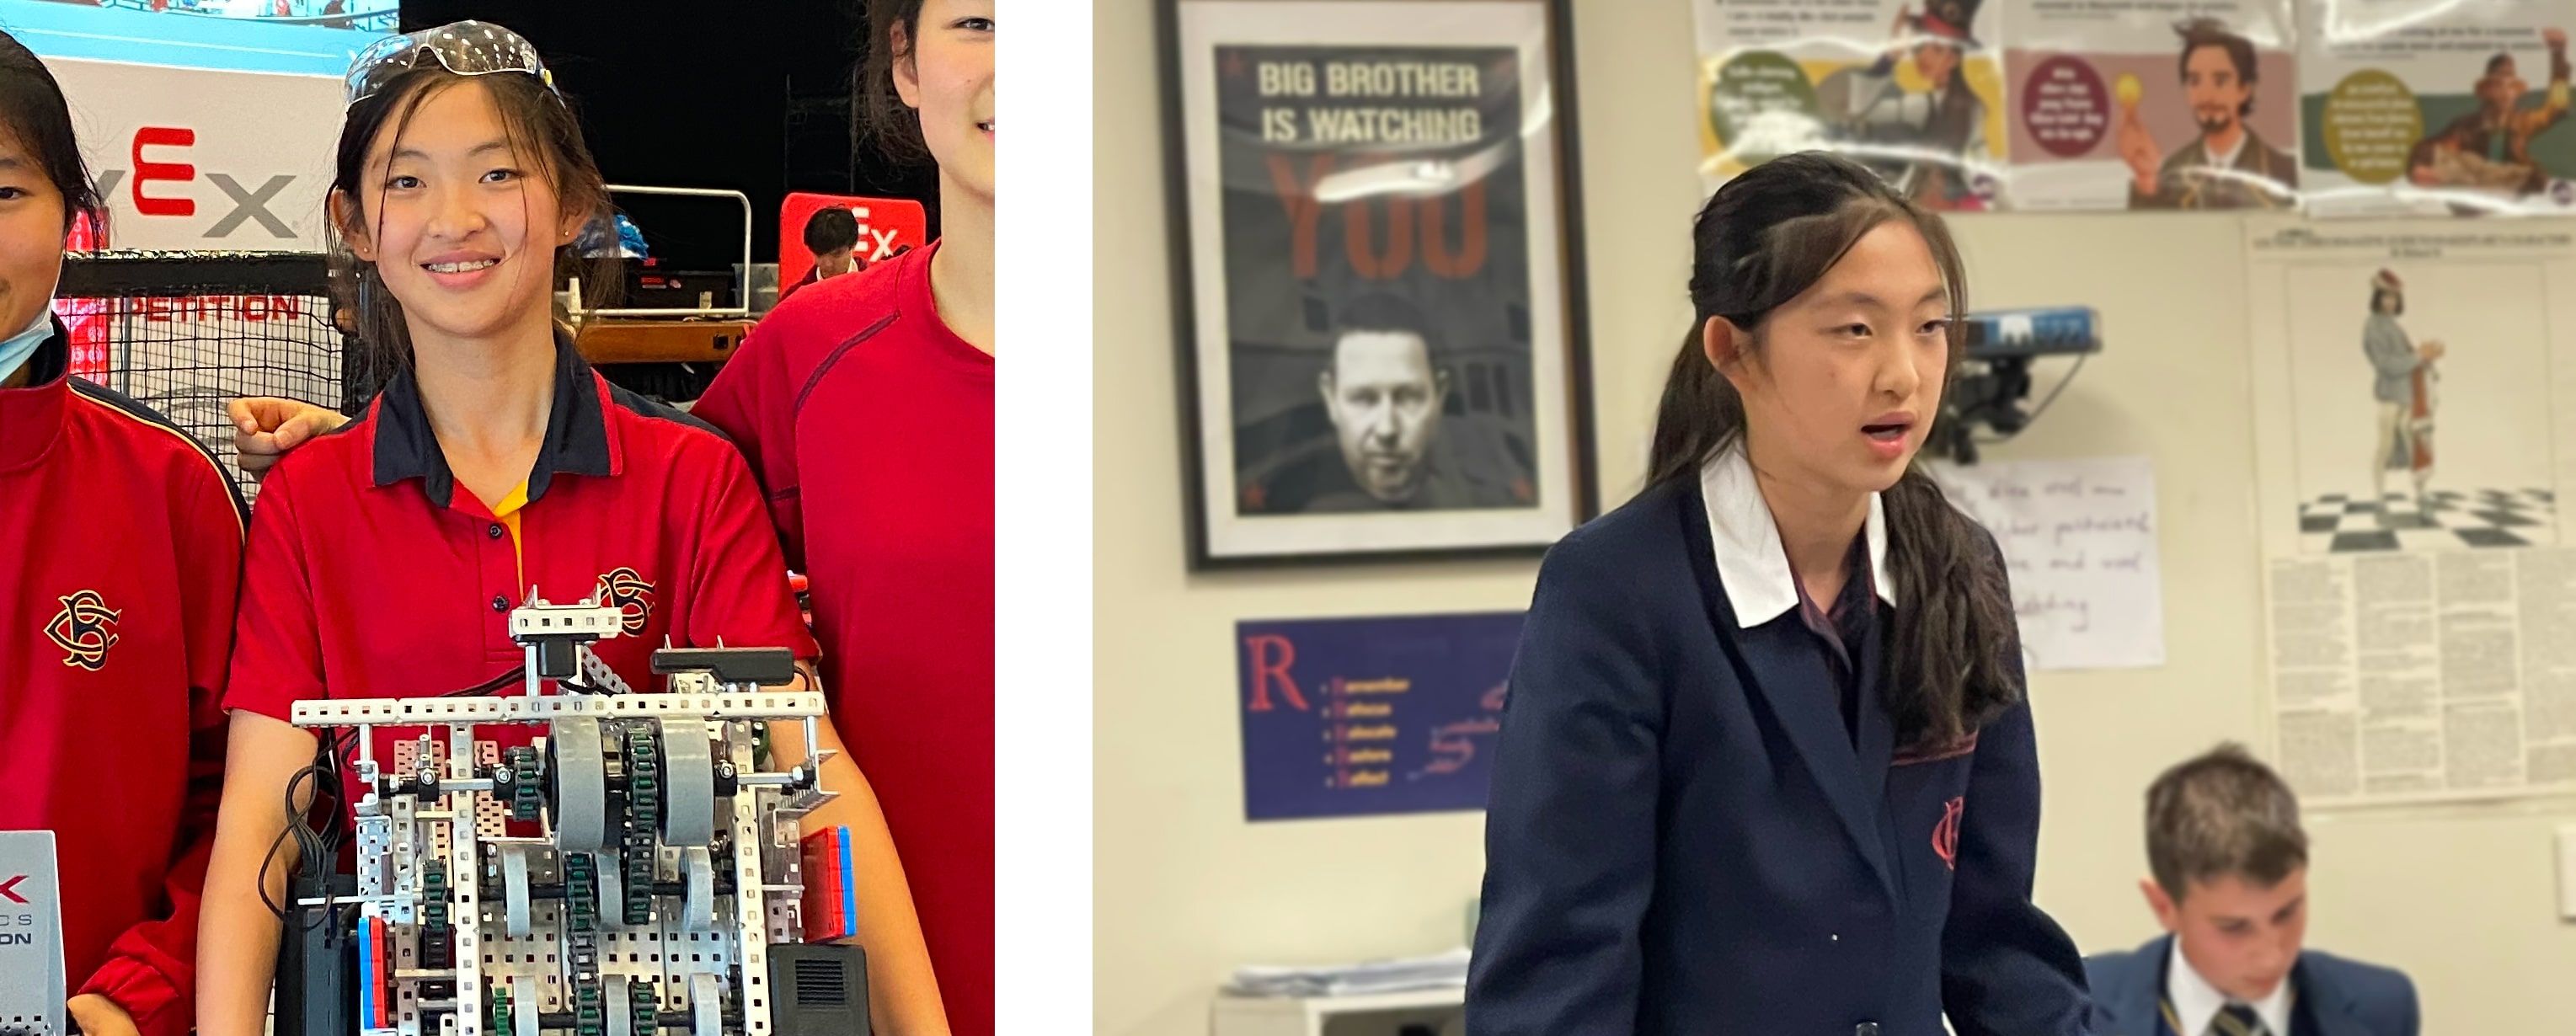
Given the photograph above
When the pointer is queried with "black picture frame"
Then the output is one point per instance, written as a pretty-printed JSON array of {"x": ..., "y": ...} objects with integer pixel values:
[{"x": 1572, "y": 449}]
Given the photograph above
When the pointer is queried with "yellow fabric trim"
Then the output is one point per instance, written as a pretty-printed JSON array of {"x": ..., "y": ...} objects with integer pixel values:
[{"x": 508, "y": 512}]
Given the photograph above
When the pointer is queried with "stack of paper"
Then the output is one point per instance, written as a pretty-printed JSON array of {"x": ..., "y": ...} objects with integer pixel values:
[{"x": 1381, "y": 976}]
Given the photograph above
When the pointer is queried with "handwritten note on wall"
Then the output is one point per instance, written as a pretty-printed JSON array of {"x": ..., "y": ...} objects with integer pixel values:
[{"x": 2079, "y": 537}]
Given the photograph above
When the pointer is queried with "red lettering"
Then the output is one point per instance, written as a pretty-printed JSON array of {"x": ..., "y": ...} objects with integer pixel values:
[
  {"x": 254, "y": 307},
  {"x": 170, "y": 172},
  {"x": 1303, "y": 209},
  {"x": 1470, "y": 256},
  {"x": 1454, "y": 750},
  {"x": 1276, "y": 666},
  {"x": 1362, "y": 241},
  {"x": 157, "y": 310},
  {"x": 287, "y": 307}
]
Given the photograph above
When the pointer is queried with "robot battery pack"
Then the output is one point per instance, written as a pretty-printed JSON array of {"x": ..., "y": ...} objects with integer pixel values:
[{"x": 831, "y": 886}]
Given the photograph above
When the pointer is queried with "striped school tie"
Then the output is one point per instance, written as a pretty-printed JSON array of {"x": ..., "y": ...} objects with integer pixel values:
[{"x": 2237, "y": 1020}]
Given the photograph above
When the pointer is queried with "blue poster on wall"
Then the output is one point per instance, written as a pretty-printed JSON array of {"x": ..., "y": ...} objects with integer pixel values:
[{"x": 1353, "y": 717}]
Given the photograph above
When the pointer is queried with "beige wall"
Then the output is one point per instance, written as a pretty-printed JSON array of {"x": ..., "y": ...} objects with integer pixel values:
[{"x": 1185, "y": 890}]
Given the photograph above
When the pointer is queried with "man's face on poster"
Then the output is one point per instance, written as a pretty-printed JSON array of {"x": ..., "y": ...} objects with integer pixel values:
[
  {"x": 1384, "y": 398},
  {"x": 1936, "y": 61},
  {"x": 2217, "y": 94}
]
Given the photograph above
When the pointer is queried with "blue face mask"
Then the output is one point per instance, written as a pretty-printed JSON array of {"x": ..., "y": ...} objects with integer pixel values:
[{"x": 15, "y": 351}]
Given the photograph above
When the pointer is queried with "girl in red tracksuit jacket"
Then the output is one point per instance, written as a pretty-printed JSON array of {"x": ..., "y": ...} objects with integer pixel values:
[{"x": 125, "y": 542}]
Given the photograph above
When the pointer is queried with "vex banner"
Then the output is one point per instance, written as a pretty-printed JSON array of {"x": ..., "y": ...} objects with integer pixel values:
[{"x": 197, "y": 159}]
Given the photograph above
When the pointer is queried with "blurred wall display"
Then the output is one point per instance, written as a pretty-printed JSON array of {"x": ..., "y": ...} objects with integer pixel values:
[
  {"x": 2134, "y": 104},
  {"x": 1360, "y": 716},
  {"x": 2456, "y": 108},
  {"x": 1914, "y": 88},
  {"x": 2414, "y": 429},
  {"x": 1381, "y": 350},
  {"x": 2335, "y": 108}
]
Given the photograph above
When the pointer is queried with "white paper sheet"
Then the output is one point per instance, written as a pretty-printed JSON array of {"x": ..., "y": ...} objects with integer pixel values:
[
  {"x": 2079, "y": 539},
  {"x": 2420, "y": 587}
]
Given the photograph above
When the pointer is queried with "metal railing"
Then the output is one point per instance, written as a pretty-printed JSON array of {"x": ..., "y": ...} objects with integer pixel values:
[{"x": 741, "y": 270}]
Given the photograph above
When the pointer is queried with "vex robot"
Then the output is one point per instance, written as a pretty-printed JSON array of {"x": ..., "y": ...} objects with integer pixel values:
[{"x": 633, "y": 872}]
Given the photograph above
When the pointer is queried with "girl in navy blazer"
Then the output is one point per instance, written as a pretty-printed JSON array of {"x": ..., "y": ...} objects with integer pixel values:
[{"x": 1766, "y": 767}]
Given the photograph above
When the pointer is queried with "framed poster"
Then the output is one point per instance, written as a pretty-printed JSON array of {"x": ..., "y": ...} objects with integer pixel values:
[{"x": 1378, "y": 278}]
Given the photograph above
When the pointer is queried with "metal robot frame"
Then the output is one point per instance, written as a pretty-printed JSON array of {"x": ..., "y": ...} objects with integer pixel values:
[{"x": 667, "y": 886}]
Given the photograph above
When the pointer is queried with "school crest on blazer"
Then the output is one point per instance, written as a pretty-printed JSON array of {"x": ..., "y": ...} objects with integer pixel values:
[
  {"x": 1945, "y": 832},
  {"x": 84, "y": 629}
]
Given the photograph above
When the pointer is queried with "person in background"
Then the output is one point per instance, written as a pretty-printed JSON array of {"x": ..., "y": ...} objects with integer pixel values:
[
  {"x": 613, "y": 236},
  {"x": 125, "y": 546},
  {"x": 865, "y": 407},
  {"x": 2230, "y": 887},
  {"x": 865, "y": 404},
  {"x": 831, "y": 234}
]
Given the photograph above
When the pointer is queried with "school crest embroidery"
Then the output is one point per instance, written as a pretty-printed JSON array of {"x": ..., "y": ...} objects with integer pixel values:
[
  {"x": 627, "y": 591},
  {"x": 84, "y": 629},
  {"x": 1945, "y": 835}
]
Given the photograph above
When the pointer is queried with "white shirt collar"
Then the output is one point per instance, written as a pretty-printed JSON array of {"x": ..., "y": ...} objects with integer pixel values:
[
  {"x": 1751, "y": 564},
  {"x": 2228, "y": 160},
  {"x": 2195, "y": 1001}
]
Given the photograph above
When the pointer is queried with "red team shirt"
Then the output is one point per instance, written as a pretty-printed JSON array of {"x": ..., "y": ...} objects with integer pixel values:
[
  {"x": 125, "y": 541},
  {"x": 870, "y": 426},
  {"x": 371, "y": 574}
]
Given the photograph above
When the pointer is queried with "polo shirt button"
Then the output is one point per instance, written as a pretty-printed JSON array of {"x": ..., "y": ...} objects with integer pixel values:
[
  {"x": 500, "y": 603},
  {"x": 494, "y": 531},
  {"x": 1866, "y": 1029}
]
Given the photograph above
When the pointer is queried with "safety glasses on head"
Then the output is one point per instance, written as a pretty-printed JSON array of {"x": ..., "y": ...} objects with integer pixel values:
[{"x": 466, "y": 48}]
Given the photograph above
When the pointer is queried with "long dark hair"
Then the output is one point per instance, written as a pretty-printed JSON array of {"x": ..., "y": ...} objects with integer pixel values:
[
  {"x": 541, "y": 128},
  {"x": 33, "y": 109},
  {"x": 882, "y": 114},
  {"x": 1762, "y": 240}
]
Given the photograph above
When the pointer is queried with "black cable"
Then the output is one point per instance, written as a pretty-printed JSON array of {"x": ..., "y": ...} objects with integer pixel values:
[
  {"x": 314, "y": 846},
  {"x": 295, "y": 826}
]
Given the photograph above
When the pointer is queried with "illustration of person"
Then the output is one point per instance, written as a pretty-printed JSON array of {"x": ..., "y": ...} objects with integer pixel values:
[
  {"x": 2403, "y": 387},
  {"x": 1915, "y": 139},
  {"x": 2491, "y": 147},
  {"x": 2229, "y": 166}
]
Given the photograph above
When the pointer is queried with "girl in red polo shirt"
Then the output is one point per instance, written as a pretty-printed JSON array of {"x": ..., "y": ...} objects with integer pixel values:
[
  {"x": 865, "y": 405},
  {"x": 124, "y": 541},
  {"x": 494, "y": 463}
]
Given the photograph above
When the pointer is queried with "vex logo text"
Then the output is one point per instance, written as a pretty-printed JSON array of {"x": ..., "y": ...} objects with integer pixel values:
[
  {"x": 141, "y": 181},
  {"x": 15, "y": 929},
  {"x": 875, "y": 243}
]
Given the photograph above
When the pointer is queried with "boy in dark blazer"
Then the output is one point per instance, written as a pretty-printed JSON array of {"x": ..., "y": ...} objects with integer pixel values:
[{"x": 2230, "y": 887}]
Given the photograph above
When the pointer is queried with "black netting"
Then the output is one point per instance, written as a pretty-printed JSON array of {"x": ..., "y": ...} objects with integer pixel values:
[{"x": 188, "y": 332}]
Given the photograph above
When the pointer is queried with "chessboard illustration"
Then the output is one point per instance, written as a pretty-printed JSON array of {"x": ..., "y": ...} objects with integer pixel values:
[{"x": 2336, "y": 523}]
